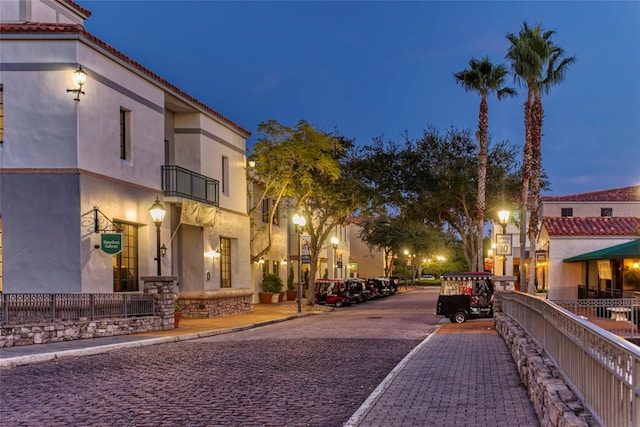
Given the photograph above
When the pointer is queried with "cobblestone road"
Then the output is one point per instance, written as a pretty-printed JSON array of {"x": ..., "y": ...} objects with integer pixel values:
[{"x": 312, "y": 371}]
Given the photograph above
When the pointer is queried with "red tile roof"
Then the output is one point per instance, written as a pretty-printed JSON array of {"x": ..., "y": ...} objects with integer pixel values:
[
  {"x": 625, "y": 194},
  {"x": 591, "y": 226},
  {"x": 37, "y": 27},
  {"x": 85, "y": 12}
]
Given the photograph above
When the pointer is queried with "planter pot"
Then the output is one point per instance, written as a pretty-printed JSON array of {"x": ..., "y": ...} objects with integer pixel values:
[
  {"x": 281, "y": 297},
  {"x": 292, "y": 295},
  {"x": 265, "y": 297},
  {"x": 176, "y": 318}
]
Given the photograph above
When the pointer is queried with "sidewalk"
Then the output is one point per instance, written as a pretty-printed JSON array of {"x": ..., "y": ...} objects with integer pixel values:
[
  {"x": 461, "y": 375},
  {"x": 263, "y": 314}
]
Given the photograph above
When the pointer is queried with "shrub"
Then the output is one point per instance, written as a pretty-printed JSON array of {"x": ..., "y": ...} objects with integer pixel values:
[
  {"x": 271, "y": 283},
  {"x": 290, "y": 280}
]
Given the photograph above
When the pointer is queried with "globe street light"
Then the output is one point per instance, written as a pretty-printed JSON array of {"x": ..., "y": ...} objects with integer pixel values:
[
  {"x": 299, "y": 221},
  {"x": 157, "y": 212},
  {"x": 334, "y": 243}
]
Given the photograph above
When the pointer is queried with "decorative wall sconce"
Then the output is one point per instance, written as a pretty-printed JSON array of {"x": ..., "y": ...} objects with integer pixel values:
[
  {"x": 80, "y": 76},
  {"x": 163, "y": 249},
  {"x": 261, "y": 261}
]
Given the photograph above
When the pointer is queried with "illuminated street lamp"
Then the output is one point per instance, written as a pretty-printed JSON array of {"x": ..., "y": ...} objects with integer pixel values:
[
  {"x": 157, "y": 212},
  {"x": 299, "y": 221},
  {"x": 503, "y": 219},
  {"x": 334, "y": 243}
]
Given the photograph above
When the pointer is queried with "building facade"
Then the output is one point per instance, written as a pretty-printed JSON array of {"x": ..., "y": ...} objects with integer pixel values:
[{"x": 81, "y": 161}]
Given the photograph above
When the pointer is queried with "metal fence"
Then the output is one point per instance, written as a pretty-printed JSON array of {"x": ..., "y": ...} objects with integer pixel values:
[
  {"x": 602, "y": 369},
  {"x": 34, "y": 308},
  {"x": 620, "y": 316}
]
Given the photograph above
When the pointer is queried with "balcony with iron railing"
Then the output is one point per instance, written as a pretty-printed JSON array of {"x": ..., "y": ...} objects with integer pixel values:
[{"x": 181, "y": 182}]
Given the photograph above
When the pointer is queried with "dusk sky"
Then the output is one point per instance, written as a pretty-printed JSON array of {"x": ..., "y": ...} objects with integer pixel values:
[{"x": 370, "y": 69}]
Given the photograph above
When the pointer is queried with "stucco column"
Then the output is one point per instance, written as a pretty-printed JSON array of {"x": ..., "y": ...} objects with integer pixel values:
[{"x": 162, "y": 289}]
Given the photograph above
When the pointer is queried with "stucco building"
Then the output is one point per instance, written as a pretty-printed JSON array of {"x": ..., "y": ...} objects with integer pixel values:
[{"x": 79, "y": 161}]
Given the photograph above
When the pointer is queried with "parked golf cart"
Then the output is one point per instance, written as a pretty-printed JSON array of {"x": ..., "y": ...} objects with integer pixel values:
[
  {"x": 356, "y": 289},
  {"x": 465, "y": 295},
  {"x": 332, "y": 291}
]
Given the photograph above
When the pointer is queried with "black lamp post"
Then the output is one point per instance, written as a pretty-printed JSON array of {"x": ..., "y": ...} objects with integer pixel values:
[
  {"x": 334, "y": 243},
  {"x": 503, "y": 219},
  {"x": 299, "y": 221},
  {"x": 157, "y": 212}
]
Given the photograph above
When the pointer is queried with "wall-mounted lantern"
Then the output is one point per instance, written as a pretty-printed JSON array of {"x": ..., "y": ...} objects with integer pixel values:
[{"x": 80, "y": 77}]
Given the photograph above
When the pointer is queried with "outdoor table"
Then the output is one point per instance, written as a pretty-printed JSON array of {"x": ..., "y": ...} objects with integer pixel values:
[{"x": 619, "y": 313}]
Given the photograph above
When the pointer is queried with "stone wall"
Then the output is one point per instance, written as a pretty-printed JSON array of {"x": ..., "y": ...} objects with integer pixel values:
[
  {"x": 206, "y": 304},
  {"x": 555, "y": 403},
  {"x": 50, "y": 332}
]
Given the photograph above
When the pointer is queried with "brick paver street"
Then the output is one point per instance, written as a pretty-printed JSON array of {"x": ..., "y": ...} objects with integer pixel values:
[{"x": 310, "y": 371}]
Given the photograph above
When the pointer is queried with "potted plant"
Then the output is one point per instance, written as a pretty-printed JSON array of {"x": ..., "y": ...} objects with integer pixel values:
[
  {"x": 292, "y": 292},
  {"x": 271, "y": 284},
  {"x": 177, "y": 314}
]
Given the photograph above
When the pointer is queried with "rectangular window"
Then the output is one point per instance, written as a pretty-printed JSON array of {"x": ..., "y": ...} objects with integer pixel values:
[
  {"x": 1, "y": 118},
  {"x": 125, "y": 264},
  {"x": 225, "y": 175},
  {"x": 265, "y": 268},
  {"x": 268, "y": 204},
  {"x": 225, "y": 262},
  {"x": 265, "y": 210},
  {"x": 566, "y": 212},
  {"x": 276, "y": 267},
  {"x": 125, "y": 134},
  {"x": 606, "y": 212}
]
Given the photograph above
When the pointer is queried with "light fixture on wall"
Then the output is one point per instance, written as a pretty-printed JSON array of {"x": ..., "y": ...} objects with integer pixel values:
[
  {"x": 261, "y": 261},
  {"x": 157, "y": 212},
  {"x": 80, "y": 77},
  {"x": 163, "y": 249}
]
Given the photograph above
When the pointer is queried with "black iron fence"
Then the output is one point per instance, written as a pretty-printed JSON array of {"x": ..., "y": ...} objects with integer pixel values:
[{"x": 34, "y": 308}]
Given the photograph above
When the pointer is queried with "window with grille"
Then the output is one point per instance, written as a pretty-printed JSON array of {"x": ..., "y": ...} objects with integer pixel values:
[
  {"x": 225, "y": 262},
  {"x": 566, "y": 212},
  {"x": 125, "y": 264},
  {"x": 267, "y": 206},
  {"x": 606, "y": 212}
]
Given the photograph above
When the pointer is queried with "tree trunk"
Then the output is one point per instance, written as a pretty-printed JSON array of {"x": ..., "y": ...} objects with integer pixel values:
[
  {"x": 536, "y": 137},
  {"x": 524, "y": 193},
  {"x": 483, "y": 124}
]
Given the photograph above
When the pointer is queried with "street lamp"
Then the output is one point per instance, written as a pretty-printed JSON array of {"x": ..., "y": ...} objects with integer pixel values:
[
  {"x": 299, "y": 221},
  {"x": 157, "y": 212},
  {"x": 334, "y": 243},
  {"x": 503, "y": 219}
]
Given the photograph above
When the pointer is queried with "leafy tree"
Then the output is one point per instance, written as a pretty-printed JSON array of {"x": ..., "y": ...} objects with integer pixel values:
[
  {"x": 538, "y": 63},
  {"x": 286, "y": 160},
  {"x": 433, "y": 180},
  {"x": 484, "y": 78},
  {"x": 327, "y": 201}
]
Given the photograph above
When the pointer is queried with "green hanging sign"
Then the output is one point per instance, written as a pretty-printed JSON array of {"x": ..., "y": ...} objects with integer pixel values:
[{"x": 111, "y": 243}]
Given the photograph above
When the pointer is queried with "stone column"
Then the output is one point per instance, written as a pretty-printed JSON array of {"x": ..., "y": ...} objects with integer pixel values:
[{"x": 162, "y": 288}]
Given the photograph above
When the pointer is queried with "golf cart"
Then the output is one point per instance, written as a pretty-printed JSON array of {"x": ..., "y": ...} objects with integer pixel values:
[
  {"x": 466, "y": 295},
  {"x": 332, "y": 291}
]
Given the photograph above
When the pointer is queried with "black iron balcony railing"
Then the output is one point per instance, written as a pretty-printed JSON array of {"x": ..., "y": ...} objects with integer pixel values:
[{"x": 178, "y": 181}]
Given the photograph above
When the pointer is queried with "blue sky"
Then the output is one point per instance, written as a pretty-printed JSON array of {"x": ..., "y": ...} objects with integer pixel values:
[{"x": 382, "y": 68}]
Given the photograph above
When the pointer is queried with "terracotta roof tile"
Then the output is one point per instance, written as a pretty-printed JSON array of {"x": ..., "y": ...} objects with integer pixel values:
[
  {"x": 38, "y": 27},
  {"x": 591, "y": 226},
  {"x": 625, "y": 194},
  {"x": 85, "y": 12}
]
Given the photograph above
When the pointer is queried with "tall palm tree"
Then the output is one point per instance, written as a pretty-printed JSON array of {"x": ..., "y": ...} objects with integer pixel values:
[
  {"x": 484, "y": 78},
  {"x": 538, "y": 63}
]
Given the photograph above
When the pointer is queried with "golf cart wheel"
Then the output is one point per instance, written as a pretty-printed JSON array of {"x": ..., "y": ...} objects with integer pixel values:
[
  {"x": 338, "y": 303},
  {"x": 459, "y": 317}
]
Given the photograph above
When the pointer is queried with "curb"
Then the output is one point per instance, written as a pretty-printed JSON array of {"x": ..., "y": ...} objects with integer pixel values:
[{"x": 364, "y": 409}]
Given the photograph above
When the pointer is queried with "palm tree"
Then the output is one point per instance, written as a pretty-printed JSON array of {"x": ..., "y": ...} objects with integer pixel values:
[
  {"x": 538, "y": 63},
  {"x": 484, "y": 78}
]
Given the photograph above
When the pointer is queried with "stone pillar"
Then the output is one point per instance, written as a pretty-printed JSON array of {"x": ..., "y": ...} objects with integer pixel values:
[
  {"x": 162, "y": 289},
  {"x": 502, "y": 284}
]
